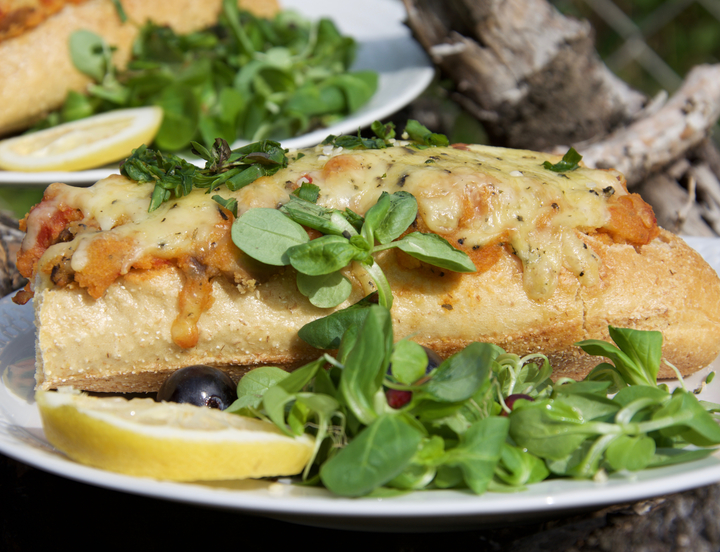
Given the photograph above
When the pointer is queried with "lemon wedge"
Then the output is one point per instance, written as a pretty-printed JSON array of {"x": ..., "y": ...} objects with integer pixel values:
[
  {"x": 170, "y": 441},
  {"x": 83, "y": 144}
]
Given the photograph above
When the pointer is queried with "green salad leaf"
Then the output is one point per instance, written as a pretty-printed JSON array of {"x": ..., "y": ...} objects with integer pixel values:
[
  {"x": 348, "y": 237},
  {"x": 243, "y": 78},
  {"x": 455, "y": 429}
]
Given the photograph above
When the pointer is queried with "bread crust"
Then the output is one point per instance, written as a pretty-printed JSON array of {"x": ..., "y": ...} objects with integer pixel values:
[
  {"x": 121, "y": 342},
  {"x": 36, "y": 70}
]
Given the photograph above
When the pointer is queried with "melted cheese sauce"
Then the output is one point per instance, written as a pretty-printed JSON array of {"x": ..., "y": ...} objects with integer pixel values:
[
  {"x": 119, "y": 206},
  {"x": 471, "y": 195}
]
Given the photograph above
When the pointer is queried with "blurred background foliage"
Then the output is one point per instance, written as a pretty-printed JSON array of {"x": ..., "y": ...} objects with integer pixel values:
[{"x": 651, "y": 44}]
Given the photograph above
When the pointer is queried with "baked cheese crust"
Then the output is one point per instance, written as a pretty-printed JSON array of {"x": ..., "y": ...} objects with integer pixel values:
[{"x": 559, "y": 256}]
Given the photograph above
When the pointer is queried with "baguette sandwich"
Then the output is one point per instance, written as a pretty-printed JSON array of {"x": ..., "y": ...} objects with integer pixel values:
[
  {"x": 36, "y": 70},
  {"x": 123, "y": 296}
]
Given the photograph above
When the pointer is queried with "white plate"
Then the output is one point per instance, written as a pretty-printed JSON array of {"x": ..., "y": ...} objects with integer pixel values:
[
  {"x": 21, "y": 437},
  {"x": 385, "y": 46}
]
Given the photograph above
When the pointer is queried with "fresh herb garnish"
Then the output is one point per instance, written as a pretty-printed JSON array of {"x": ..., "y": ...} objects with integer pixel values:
[
  {"x": 347, "y": 237},
  {"x": 120, "y": 10},
  {"x": 636, "y": 359},
  {"x": 326, "y": 332},
  {"x": 385, "y": 133},
  {"x": 244, "y": 77},
  {"x": 277, "y": 235},
  {"x": 354, "y": 142},
  {"x": 230, "y": 204},
  {"x": 569, "y": 162},
  {"x": 308, "y": 191},
  {"x": 420, "y": 134},
  {"x": 174, "y": 177},
  {"x": 457, "y": 432}
]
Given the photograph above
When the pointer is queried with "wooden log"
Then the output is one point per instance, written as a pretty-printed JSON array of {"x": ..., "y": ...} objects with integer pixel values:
[
  {"x": 653, "y": 142},
  {"x": 531, "y": 75}
]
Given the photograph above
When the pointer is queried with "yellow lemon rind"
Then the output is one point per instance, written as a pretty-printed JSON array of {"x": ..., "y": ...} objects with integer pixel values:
[
  {"x": 16, "y": 154},
  {"x": 96, "y": 442}
]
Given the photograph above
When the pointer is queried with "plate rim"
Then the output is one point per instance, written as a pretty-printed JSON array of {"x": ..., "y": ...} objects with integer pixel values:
[{"x": 431, "y": 509}]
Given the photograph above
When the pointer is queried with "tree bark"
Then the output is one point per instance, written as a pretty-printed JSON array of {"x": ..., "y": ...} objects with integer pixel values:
[
  {"x": 662, "y": 136},
  {"x": 531, "y": 75}
]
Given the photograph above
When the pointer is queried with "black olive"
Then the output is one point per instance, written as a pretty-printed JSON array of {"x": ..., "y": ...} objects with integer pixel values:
[{"x": 199, "y": 385}]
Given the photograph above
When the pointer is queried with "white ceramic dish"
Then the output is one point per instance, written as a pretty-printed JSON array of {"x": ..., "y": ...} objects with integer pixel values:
[
  {"x": 385, "y": 46},
  {"x": 21, "y": 437}
]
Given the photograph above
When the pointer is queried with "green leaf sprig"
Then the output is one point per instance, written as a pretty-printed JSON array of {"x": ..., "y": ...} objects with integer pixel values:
[
  {"x": 120, "y": 10},
  {"x": 418, "y": 134},
  {"x": 636, "y": 358},
  {"x": 277, "y": 237},
  {"x": 569, "y": 162},
  {"x": 384, "y": 133},
  {"x": 174, "y": 177},
  {"x": 423, "y": 137},
  {"x": 456, "y": 430}
]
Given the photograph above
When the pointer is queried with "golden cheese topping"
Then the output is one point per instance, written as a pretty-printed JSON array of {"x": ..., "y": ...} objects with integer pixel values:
[
  {"x": 120, "y": 209},
  {"x": 471, "y": 195},
  {"x": 479, "y": 198},
  {"x": 477, "y": 195}
]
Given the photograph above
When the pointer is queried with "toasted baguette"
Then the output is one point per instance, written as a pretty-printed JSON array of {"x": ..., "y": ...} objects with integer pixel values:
[
  {"x": 124, "y": 297},
  {"x": 36, "y": 70},
  {"x": 122, "y": 341}
]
